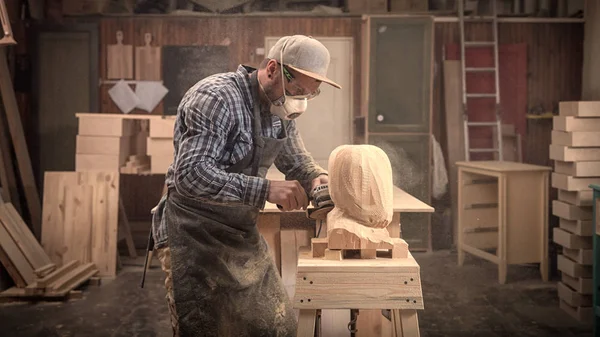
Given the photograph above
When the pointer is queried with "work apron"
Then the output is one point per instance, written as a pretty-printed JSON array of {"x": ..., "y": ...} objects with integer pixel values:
[{"x": 225, "y": 282}]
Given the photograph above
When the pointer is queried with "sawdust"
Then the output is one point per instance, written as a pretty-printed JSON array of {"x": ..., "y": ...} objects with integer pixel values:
[{"x": 406, "y": 173}]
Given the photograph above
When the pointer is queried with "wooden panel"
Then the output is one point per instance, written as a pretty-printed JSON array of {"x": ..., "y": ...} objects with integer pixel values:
[
  {"x": 581, "y": 285},
  {"x": 578, "y": 169},
  {"x": 578, "y": 198},
  {"x": 578, "y": 227},
  {"x": 573, "y": 268},
  {"x": 569, "y": 183},
  {"x": 568, "y": 123},
  {"x": 568, "y": 154},
  {"x": 580, "y": 108},
  {"x": 576, "y": 139},
  {"x": 571, "y": 241},
  {"x": 80, "y": 217},
  {"x": 581, "y": 256},
  {"x": 571, "y": 212}
]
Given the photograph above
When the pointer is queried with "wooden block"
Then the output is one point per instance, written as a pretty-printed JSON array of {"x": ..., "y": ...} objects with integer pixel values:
[
  {"x": 570, "y": 154},
  {"x": 104, "y": 126},
  {"x": 578, "y": 169},
  {"x": 162, "y": 128},
  {"x": 103, "y": 145},
  {"x": 568, "y": 123},
  {"x": 160, "y": 164},
  {"x": 572, "y": 297},
  {"x": 569, "y": 240},
  {"x": 160, "y": 147},
  {"x": 581, "y": 256},
  {"x": 400, "y": 250},
  {"x": 333, "y": 254},
  {"x": 569, "y": 183},
  {"x": 579, "y": 108},
  {"x": 578, "y": 198},
  {"x": 578, "y": 227},
  {"x": 581, "y": 285},
  {"x": 368, "y": 253},
  {"x": 318, "y": 246},
  {"x": 576, "y": 139},
  {"x": 573, "y": 268},
  {"x": 581, "y": 314},
  {"x": 571, "y": 212},
  {"x": 99, "y": 162}
]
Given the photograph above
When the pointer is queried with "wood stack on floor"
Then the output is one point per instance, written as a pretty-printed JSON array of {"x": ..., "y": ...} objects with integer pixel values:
[
  {"x": 34, "y": 274},
  {"x": 160, "y": 144},
  {"x": 575, "y": 149}
]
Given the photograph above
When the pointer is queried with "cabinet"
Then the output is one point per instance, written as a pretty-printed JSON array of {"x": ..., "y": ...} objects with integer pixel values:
[{"x": 397, "y": 70}]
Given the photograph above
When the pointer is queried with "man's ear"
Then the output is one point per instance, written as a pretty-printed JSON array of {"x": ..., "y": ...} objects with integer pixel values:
[{"x": 272, "y": 69}]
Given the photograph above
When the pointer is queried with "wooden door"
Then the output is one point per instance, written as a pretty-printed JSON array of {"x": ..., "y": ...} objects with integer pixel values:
[{"x": 327, "y": 122}]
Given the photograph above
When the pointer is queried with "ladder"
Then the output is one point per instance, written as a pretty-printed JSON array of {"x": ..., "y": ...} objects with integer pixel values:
[{"x": 493, "y": 20}]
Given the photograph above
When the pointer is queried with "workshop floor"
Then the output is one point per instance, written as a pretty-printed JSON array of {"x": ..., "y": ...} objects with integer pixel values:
[{"x": 463, "y": 302}]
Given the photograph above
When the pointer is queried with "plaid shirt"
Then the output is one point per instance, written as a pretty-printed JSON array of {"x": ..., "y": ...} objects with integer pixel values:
[{"x": 213, "y": 130}]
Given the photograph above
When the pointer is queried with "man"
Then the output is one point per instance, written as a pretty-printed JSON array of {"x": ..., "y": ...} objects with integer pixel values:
[{"x": 230, "y": 129}]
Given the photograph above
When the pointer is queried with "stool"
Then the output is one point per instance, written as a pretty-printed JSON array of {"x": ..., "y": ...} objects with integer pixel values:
[{"x": 330, "y": 279}]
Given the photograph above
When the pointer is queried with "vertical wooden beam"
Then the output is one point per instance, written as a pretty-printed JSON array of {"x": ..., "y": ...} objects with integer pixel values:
[
  {"x": 590, "y": 88},
  {"x": 18, "y": 138}
]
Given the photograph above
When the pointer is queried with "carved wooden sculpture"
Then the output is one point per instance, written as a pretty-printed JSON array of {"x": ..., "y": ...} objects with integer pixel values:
[{"x": 361, "y": 187}]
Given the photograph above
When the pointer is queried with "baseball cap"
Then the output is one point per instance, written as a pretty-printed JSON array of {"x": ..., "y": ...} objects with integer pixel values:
[{"x": 305, "y": 55}]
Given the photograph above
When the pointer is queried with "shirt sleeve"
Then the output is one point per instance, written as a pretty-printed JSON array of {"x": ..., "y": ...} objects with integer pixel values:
[
  {"x": 207, "y": 122},
  {"x": 295, "y": 161}
]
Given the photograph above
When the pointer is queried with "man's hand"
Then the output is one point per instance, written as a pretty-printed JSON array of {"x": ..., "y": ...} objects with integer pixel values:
[
  {"x": 289, "y": 194},
  {"x": 320, "y": 180}
]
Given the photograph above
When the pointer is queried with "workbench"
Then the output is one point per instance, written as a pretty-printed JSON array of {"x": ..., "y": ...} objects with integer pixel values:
[{"x": 503, "y": 206}]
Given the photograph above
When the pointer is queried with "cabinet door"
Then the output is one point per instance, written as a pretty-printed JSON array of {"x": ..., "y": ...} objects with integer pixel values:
[
  {"x": 410, "y": 159},
  {"x": 400, "y": 74}
]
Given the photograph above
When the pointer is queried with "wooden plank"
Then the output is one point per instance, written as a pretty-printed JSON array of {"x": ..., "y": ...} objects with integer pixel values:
[
  {"x": 23, "y": 238},
  {"x": 11, "y": 269},
  {"x": 20, "y": 146},
  {"x": 569, "y": 183},
  {"x": 572, "y": 268},
  {"x": 578, "y": 198},
  {"x": 570, "y": 240},
  {"x": 581, "y": 314},
  {"x": 100, "y": 162},
  {"x": 291, "y": 242},
  {"x": 571, "y": 212},
  {"x": 577, "y": 227},
  {"x": 45, "y": 270},
  {"x": 579, "y": 108},
  {"x": 570, "y": 154},
  {"x": 568, "y": 123},
  {"x": 15, "y": 256},
  {"x": 93, "y": 125},
  {"x": 581, "y": 285},
  {"x": 73, "y": 278},
  {"x": 576, "y": 139},
  {"x": 454, "y": 134},
  {"x": 572, "y": 297},
  {"x": 57, "y": 274},
  {"x": 10, "y": 185},
  {"x": 578, "y": 169},
  {"x": 160, "y": 147},
  {"x": 162, "y": 128},
  {"x": 111, "y": 145},
  {"x": 581, "y": 256}
]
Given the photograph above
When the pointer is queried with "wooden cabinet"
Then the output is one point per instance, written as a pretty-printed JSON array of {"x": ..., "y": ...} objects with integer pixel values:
[{"x": 397, "y": 70}]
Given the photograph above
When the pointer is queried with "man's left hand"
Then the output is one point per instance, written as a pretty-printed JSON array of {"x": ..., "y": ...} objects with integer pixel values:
[{"x": 320, "y": 180}]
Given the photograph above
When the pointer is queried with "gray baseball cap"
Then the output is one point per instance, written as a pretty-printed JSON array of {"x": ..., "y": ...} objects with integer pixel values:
[{"x": 304, "y": 54}]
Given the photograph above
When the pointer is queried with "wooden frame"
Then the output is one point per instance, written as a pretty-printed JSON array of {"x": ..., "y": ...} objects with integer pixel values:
[{"x": 503, "y": 205}]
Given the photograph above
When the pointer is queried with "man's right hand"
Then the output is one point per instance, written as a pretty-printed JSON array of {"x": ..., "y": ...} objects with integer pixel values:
[{"x": 289, "y": 194}]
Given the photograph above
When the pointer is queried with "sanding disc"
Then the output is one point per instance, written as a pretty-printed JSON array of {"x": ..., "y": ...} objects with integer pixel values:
[{"x": 318, "y": 214}]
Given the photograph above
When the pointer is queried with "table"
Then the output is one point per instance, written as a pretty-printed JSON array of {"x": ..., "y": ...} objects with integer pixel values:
[{"x": 503, "y": 205}]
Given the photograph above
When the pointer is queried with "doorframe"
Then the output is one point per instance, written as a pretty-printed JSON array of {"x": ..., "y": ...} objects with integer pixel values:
[{"x": 350, "y": 40}]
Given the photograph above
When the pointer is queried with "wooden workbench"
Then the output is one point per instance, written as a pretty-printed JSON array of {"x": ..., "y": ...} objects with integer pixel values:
[{"x": 503, "y": 206}]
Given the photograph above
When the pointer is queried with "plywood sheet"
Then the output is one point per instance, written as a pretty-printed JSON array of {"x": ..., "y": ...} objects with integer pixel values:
[{"x": 80, "y": 217}]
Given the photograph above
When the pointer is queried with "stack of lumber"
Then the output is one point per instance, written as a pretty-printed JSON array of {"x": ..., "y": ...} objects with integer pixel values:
[
  {"x": 160, "y": 144},
  {"x": 104, "y": 143},
  {"x": 575, "y": 149},
  {"x": 31, "y": 269}
]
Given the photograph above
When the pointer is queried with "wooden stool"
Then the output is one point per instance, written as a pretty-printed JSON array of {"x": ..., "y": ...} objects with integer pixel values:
[{"x": 373, "y": 279}]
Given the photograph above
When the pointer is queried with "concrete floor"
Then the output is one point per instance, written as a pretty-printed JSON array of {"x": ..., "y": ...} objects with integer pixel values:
[{"x": 463, "y": 302}]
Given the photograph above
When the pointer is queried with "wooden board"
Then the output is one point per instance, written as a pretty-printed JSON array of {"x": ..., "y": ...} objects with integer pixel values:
[
  {"x": 568, "y": 123},
  {"x": 570, "y": 154},
  {"x": 577, "y": 198},
  {"x": 581, "y": 285},
  {"x": 581, "y": 256},
  {"x": 577, "y": 227},
  {"x": 291, "y": 242},
  {"x": 98, "y": 125},
  {"x": 579, "y": 108},
  {"x": 569, "y": 183},
  {"x": 104, "y": 145},
  {"x": 502, "y": 166},
  {"x": 80, "y": 218},
  {"x": 119, "y": 59},
  {"x": 576, "y": 138},
  {"x": 571, "y": 241},
  {"x": 578, "y": 169},
  {"x": 147, "y": 61},
  {"x": 571, "y": 212},
  {"x": 572, "y": 297},
  {"x": 162, "y": 128},
  {"x": 573, "y": 268},
  {"x": 160, "y": 147}
]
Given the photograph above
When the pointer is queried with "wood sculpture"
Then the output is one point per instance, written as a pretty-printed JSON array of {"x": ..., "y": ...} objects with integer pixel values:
[{"x": 361, "y": 188}]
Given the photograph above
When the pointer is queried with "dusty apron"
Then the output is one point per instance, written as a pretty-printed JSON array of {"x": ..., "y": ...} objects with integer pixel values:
[{"x": 224, "y": 280}]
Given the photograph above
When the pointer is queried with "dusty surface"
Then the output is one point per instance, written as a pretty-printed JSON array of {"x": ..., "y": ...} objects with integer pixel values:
[{"x": 463, "y": 302}]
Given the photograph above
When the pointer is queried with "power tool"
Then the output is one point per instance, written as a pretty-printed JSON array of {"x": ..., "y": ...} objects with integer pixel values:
[{"x": 321, "y": 201}]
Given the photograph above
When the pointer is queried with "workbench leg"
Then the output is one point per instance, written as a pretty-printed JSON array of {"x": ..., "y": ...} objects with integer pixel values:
[
  {"x": 502, "y": 268},
  {"x": 461, "y": 256},
  {"x": 306, "y": 322},
  {"x": 405, "y": 323}
]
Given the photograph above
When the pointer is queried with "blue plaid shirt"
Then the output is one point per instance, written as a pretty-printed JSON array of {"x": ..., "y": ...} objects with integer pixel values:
[{"x": 213, "y": 130}]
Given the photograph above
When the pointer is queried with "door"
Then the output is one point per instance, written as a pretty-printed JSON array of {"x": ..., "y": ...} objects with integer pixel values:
[{"x": 327, "y": 123}]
